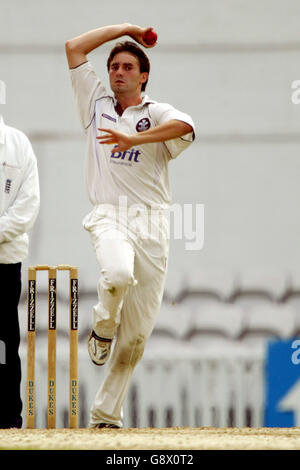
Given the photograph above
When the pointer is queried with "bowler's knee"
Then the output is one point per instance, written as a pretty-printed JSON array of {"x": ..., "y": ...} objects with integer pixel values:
[
  {"x": 130, "y": 353},
  {"x": 116, "y": 278}
]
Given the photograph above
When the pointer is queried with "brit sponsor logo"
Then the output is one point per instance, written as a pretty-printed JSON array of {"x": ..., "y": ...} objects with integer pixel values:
[
  {"x": 143, "y": 125},
  {"x": 129, "y": 155}
]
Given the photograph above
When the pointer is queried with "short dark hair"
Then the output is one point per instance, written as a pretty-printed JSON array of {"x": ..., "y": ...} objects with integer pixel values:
[{"x": 134, "y": 49}]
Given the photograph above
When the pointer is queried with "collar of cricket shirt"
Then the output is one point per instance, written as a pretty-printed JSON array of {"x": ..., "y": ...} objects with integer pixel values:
[
  {"x": 2, "y": 130},
  {"x": 145, "y": 100}
]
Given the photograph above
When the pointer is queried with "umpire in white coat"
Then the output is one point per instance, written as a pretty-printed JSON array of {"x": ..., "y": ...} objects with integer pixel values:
[{"x": 19, "y": 206}]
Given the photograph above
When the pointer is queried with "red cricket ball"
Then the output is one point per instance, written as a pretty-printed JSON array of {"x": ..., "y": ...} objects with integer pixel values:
[{"x": 150, "y": 37}]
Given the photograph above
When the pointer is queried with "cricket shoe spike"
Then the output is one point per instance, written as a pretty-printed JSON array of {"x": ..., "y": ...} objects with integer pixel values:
[{"x": 99, "y": 348}]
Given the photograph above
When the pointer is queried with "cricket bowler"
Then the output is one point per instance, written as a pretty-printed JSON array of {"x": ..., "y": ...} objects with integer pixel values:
[{"x": 130, "y": 141}]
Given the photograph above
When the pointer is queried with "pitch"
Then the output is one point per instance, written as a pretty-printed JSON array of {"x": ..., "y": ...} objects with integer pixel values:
[{"x": 204, "y": 438}]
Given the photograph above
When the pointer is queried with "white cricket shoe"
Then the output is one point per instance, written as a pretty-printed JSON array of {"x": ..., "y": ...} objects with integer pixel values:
[{"x": 99, "y": 348}]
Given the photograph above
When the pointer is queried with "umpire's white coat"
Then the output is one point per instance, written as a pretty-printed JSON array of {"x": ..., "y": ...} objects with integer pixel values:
[{"x": 19, "y": 193}]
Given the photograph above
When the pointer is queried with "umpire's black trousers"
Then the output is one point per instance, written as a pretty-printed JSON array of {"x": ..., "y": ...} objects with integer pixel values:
[{"x": 10, "y": 364}]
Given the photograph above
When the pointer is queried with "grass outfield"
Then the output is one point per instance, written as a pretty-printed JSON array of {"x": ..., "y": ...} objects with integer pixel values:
[{"x": 205, "y": 438}]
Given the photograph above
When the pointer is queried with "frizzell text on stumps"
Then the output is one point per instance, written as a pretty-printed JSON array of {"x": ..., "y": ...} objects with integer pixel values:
[{"x": 31, "y": 327}]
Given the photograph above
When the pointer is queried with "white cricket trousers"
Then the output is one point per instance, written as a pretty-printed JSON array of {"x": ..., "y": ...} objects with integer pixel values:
[{"x": 132, "y": 247}]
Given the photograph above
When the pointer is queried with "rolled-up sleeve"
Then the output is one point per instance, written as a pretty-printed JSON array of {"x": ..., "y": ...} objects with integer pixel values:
[{"x": 164, "y": 112}]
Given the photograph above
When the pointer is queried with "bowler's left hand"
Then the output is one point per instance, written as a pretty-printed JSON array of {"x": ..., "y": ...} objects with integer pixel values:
[{"x": 123, "y": 141}]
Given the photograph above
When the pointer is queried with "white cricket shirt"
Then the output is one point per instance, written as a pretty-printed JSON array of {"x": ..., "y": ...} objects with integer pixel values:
[
  {"x": 19, "y": 193},
  {"x": 140, "y": 173}
]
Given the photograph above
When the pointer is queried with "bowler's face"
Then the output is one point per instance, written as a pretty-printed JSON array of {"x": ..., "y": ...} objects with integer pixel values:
[{"x": 124, "y": 74}]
